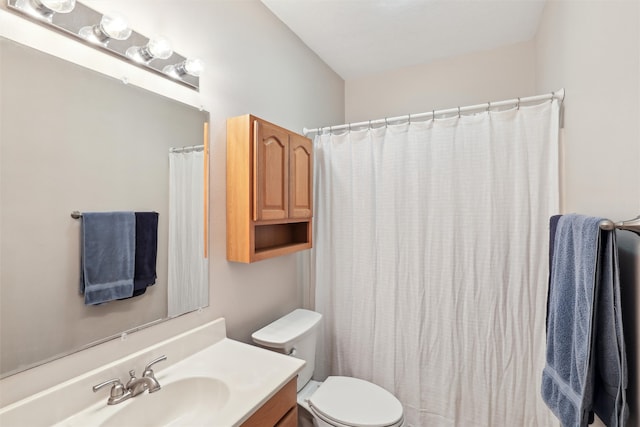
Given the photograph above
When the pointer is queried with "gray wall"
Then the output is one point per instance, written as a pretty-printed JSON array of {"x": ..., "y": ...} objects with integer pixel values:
[{"x": 254, "y": 65}]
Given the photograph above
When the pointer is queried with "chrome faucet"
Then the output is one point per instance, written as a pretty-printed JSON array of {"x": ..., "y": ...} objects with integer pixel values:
[
  {"x": 135, "y": 386},
  {"x": 148, "y": 380}
]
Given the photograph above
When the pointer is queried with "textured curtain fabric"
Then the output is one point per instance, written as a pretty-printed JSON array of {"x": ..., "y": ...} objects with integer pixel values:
[
  {"x": 188, "y": 268},
  {"x": 431, "y": 262}
]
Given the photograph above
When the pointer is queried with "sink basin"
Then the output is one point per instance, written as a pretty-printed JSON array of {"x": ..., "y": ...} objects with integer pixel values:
[{"x": 189, "y": 401}]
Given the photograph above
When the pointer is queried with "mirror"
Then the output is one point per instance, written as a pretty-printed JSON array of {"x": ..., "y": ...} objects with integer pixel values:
[{"x": 75, "y": 140}]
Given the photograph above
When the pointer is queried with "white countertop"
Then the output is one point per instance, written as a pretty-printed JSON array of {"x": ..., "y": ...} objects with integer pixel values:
[{"x": 251, "y": 374}]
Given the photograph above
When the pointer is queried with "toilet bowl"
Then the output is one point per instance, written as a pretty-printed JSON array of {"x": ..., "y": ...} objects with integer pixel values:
[{"x": 338, "y": 401}]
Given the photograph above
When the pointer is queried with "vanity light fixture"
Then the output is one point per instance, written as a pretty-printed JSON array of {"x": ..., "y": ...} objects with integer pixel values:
[
  {"x": 111, "y": 26},
  {"x": 111, "y": 33}
]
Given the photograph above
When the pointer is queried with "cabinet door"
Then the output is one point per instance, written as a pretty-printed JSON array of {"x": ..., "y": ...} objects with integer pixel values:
[
  {"x": 290, "y": 419},
  {"x": 271, "y": 172},
  {"x": 301, "y": 177},
  {"x": 281, "y": 410}
]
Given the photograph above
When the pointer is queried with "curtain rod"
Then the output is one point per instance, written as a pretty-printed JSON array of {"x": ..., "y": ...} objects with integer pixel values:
[
  {"x": 186, "y": 149},
  {"x": 559, "y": 95}
]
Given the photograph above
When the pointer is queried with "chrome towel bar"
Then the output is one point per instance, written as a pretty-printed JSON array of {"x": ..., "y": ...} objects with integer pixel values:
[{"x": 632, "y": 225}]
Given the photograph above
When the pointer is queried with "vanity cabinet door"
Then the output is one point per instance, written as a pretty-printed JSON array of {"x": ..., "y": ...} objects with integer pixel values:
[
  {"x": 281, "y": 410},
  {"x": 289, "y": 420},
  {"x": 271, "y": 174},
  {"x": 301, "y": 177}
]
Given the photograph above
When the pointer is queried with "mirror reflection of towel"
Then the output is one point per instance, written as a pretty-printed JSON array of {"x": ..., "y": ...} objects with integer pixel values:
[
  {"x": 146, "y": 251},
  {"x": 108, "y": 253}
]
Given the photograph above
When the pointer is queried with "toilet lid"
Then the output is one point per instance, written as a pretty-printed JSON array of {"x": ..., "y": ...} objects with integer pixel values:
[{"x": 356, "y": 402}]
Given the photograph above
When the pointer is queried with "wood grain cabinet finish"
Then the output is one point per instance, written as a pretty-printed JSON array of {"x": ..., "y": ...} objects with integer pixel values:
[
  {"x": 301, "y": 177},
  {"x": 269, "y": 190},
  {"x": 279, "y": 411}
]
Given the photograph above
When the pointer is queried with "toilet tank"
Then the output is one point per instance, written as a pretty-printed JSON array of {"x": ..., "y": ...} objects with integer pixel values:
[{"x": 294, "y": 334}]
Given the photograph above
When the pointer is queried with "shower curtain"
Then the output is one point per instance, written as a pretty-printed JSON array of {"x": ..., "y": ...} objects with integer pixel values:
[
  {"x": 188, "y": 267},
  {"x": 430, "y": 262}
]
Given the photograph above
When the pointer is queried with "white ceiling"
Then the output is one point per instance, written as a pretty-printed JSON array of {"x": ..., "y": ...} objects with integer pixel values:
[{"x": 360, "y": 37}]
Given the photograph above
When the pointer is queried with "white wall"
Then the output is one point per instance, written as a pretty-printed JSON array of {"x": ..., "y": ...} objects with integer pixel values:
[
  {"x": 475, "y": 78},
  {"x": 592, "y": 49},
  {"x": 254, "y": 65}
]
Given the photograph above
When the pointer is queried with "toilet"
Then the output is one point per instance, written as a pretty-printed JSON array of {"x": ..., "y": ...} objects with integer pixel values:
[{"x": 338, "y": 401}]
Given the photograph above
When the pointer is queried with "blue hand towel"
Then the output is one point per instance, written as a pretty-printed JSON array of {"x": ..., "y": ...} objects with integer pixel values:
[
  {"x": 108, "y": 256},
  {"x": 567, "y": 386},
  {"x": 146, "y": 251}
]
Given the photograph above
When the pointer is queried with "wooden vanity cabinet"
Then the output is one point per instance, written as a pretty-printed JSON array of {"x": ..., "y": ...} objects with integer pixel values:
[
  {"x": 269, "y": 190},
  {"x": 279, "y": 411}
]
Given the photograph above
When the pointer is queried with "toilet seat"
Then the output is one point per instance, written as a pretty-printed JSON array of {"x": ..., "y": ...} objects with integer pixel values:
[{"x": 346, "y": 401}]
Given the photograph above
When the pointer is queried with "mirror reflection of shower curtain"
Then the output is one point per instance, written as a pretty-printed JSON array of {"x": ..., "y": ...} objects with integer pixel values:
[
  {"x": 430, "y": 246},
  {"x": 188, "y": 266}
]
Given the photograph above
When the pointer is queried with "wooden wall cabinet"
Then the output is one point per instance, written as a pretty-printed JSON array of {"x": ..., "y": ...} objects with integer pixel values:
[
  {"x": 269, "y": 190},
  {"x": 279, "y": 411}
]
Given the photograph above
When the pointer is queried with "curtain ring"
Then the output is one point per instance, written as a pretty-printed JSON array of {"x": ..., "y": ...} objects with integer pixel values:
[
  {"x": 488, "y": 106},
  {"x": 386, "y": 123},
  {"x": 433, "y": 115},
  {"x": 349, "y": 127},
  {"x": 459, "y": 115},
  {"x": 409, "y": 118},
  {"x": 518, "y": 105},
  {"x": 370, "y": 125},
  {"x": 330, "y": 130}
]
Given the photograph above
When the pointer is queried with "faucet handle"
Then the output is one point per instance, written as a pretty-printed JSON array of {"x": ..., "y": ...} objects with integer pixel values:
[
  {"x": 147, "y": 369},
  {"x": 114, "y": 381},
  {"x": 132, "y": 378},
  {"x": 118, "y": 392}
]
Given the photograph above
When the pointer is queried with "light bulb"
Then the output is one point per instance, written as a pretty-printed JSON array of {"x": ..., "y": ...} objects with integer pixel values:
[
  {"x": 45, "y": 9},
  {"x": 58, "y": 6},
  {"x": 115, "y": 26},
  {"x": 155, "y": 48},
  {"x": 111, "y": 26},
  {"x": 159, "y": 48},
  {"x": 194, "y": 67}
]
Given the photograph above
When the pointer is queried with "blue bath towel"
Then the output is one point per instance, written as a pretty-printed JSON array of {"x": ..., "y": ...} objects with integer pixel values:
[
  {"x": 586, "y": 365},
  {"x": 553, "y": 225},
  {"x": 108, "y": 256},
  {"x": 610, "y": 371}
]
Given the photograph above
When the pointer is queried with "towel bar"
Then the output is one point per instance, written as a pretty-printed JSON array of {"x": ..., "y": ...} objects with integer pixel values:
[{"x": 632, "y": 225}]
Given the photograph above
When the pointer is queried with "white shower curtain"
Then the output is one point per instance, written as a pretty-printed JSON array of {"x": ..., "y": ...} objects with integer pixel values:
[
  {"x": 430, "y": 260},
  {"x": 188, "y": 268}
]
